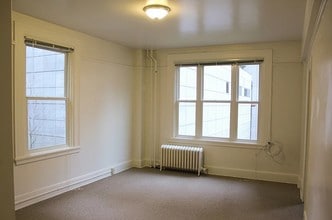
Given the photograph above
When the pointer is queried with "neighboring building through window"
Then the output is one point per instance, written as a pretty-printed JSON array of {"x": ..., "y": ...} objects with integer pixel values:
[{"x": 218, "y": 101}]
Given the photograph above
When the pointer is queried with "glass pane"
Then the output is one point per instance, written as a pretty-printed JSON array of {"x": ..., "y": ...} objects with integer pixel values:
[
  {"x": 45, "y": 73},
  {"x": 187, "y": 118},
  {"x": 217, "y": 82},
  {"x": 248, "y": 82},
  {"x": 46, "y": 123},
  {"x": 216, "y": 120},
  {"x": 247, "y": 121},
  {"x": 188, "y": 82}
]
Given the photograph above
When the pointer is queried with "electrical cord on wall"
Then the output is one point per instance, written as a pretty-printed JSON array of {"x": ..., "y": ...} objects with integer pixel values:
[{"x": 274, "y": 150}]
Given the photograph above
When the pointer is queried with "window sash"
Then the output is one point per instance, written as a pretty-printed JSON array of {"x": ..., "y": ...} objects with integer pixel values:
[
  {"x": 179, "y": 122},
  {"x": 252, "y": 122},
  {"x": 66, "y": 74},
  {"x": 65, "y": 98},
  {"x": 227, "y": 137},
  {"x": 54, "y": 120}
]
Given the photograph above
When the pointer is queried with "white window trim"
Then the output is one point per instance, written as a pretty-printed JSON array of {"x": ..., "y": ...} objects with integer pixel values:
[
  {"x": 48, "y": 154},
  {"x": 265, "y": 94},
  {"x": 21, "y": 152}
]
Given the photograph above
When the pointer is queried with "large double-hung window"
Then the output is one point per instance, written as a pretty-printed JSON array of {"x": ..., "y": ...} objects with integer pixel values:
[
  {"x": 219, "y": 100},
  {"x": 44, "y": 104},
  {"x": 47, "y": 96}
]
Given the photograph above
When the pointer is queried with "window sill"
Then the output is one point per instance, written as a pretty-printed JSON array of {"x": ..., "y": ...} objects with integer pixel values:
[
  {"x": 45, "y": 155},
  {"x": 216, "y": 143}
]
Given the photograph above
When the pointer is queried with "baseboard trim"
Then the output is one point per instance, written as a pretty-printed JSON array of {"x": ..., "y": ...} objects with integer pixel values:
[
  {"x": 300, "y": 186},
  {"x": 118, "y": 168},
  {"x": 141, "y": 163},
  {"x": 253, "y": 174},
  {"x": 305, "y": 215},
  {"x": 137, "y": 163},
  {"x": 41, "y": 194}
]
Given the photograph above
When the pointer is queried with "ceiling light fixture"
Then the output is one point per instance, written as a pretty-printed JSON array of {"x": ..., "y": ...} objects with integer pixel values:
[{"x": 156, "y": 11}]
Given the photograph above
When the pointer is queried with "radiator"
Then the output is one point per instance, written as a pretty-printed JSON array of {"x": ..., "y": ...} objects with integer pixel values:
[{"x": 184, "y": 158}]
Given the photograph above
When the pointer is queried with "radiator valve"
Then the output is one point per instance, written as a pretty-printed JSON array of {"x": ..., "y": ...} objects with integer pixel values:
[{"x": 204, "y": 170}]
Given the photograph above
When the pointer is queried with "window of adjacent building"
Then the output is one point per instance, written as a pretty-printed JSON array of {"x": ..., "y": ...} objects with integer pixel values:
[{"x": 219, "y": 101}]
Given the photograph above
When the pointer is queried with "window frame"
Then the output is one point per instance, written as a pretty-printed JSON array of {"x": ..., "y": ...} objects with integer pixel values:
[
  {"x": 233, "y": 102},
  {"x": 65, "y": 98},
  {"x": 23, "y": 153},
  {"x": 264, "y": 121}
]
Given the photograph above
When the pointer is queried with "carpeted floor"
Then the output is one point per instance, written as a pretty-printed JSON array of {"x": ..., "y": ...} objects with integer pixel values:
[{"x": 144, "y": 194}]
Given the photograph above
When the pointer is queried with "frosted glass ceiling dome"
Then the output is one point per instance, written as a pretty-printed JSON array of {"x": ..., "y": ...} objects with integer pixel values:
[{"x": 156, "y": 11}]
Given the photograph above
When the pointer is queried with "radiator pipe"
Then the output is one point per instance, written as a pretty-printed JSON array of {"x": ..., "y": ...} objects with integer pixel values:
[{"x": 154, "y": 68}]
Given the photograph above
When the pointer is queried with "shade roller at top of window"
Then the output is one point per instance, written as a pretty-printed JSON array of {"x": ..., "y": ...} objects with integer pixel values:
[
  {"x": 46, "y": 45},
  {"x": 227, "y": 62}
]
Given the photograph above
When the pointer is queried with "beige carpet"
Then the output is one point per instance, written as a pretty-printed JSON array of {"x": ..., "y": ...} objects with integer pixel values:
[{"x": 144, "y": 194}]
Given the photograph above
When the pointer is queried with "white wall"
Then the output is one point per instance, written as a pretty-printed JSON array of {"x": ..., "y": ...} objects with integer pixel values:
[
  {"x": 104, "y": 88},
  {"x": 231, "y": 161},
  {"x": 318, "y": 185},
  {"x": 6, "y": 157}
]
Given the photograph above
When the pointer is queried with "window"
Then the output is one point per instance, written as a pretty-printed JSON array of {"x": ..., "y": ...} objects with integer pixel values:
[
  {"x": 47, "y": 97},
  {"x": 45, "y": 126},
  {"x": 220, "y": 101},
  {"x": 219, "y": 98}
]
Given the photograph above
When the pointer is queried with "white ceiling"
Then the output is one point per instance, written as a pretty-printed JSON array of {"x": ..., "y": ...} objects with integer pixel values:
[{"x": 190, "y": 23}]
